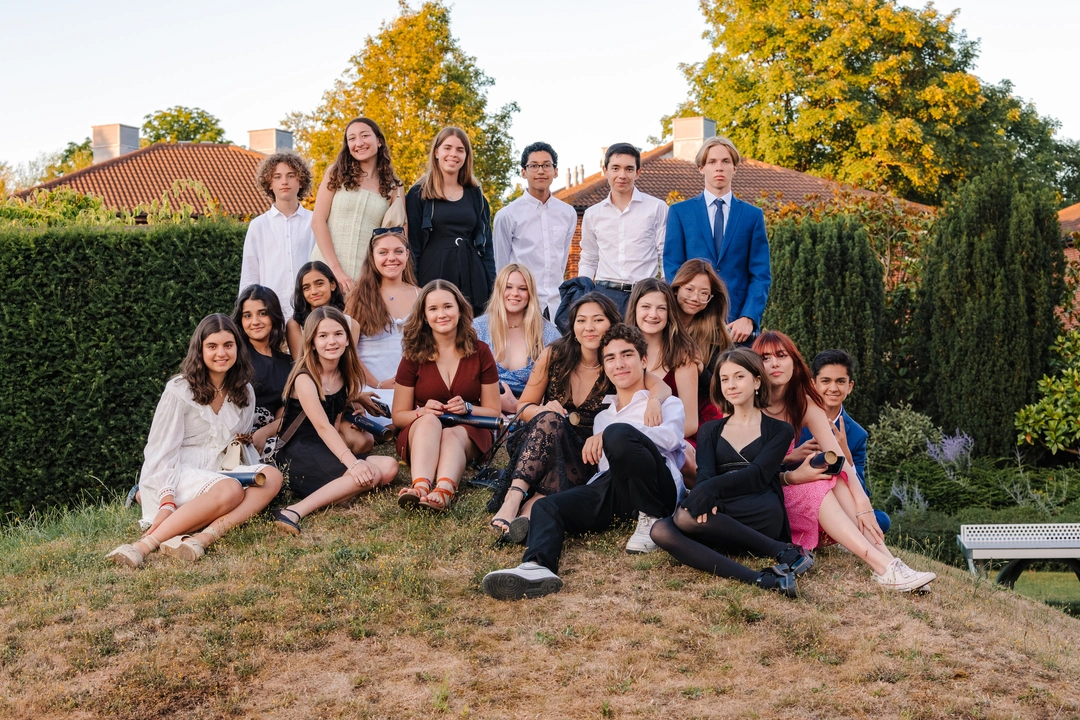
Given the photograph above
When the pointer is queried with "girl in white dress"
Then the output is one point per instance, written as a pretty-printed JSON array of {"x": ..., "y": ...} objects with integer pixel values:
[
  {"x": 202, "y": 410},
  {"x": 380, "y": 303}
]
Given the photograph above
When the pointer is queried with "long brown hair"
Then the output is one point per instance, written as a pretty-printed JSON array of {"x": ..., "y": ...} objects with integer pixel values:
[
  {"x": 431, "y": 183},
  {"x": 365, "y": 303},
  {"x": 352, "y": 372},
  {"x": 678, "y": 348},
  {"x": 346, "y": 172},
  {"x": 532, "y": 324},
  {"x": 566, "y": 351},
  {"x": 799, "y": 388},
  {"x": 418, "y": 341},
  {"x": 748, "y": 360},
  {"x": 709, "y": 327},
  {"x": 194, "y": 370}
]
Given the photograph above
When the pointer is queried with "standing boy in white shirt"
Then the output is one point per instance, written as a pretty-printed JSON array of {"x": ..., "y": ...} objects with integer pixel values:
[
  {"x": 622, "y": 236},
  {"x": 536, "y": 229},
  {"x": 639, "y": 475},
  {"x": 279, "y": 241}
]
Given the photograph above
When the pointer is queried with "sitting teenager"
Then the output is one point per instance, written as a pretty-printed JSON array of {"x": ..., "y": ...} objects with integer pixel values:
[
  {"x": 737, "y": 504},
  {"x": 316, "y": 288},
  {"x": 444, "y": 369},
  {"x": 639, "y": 475},
  {"x": 186, "y": 500},
  {"x": 819, "y": 508},
  {"x": 321, "y": 467},
  {"x": 262, "y": 327},
  {"x": 380, "y": 303},
  {"x": 565, "y": 392},
  {"x": 833, "y": 373},
  {"x": 516, "y": 331}
]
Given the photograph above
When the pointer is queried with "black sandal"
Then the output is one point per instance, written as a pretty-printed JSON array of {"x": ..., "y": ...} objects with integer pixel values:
[{"x": 283, "y": 523}]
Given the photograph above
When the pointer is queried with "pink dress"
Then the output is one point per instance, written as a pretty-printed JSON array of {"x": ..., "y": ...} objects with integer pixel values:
[{"x": 803, "y": 502}]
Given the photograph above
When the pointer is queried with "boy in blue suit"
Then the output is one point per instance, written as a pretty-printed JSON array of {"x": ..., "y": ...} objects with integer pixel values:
[
  {"x": 833, "y": 371},
  {"x": 736, "y": 245}
]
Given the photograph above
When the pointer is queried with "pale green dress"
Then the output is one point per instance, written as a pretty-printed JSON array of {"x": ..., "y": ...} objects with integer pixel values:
[{"x": 353, "y": 215}]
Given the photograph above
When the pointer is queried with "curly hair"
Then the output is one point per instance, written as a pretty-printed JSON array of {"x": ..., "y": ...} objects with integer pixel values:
[
  {"x": 264, "y": 175},
  {"x": 418, "y": 341},
  {"x": 194, "y": 370},
  {"x": 346, "y": 171},
  {"x": 627, "y": 332}
]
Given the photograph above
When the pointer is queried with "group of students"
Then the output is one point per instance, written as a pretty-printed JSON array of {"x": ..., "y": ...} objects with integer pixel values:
[{"x": 645, "y": 406}]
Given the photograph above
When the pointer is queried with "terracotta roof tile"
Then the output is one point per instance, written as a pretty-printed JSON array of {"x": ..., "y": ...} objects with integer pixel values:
[
  {"x": 1069, "y": 219},
  {"x": 227, "y": 172}
]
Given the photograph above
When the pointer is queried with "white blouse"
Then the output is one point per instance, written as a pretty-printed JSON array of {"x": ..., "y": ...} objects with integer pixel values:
[{"x": 186, "y": 445}]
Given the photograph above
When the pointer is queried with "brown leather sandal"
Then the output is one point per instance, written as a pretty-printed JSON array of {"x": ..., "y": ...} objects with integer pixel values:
[
  {"x": 440, "y": 496},
  {"x": 410, "y": 496}
]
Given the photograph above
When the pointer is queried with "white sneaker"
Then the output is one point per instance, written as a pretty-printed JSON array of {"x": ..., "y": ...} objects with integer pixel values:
[
  {"x": 900, "y": 577},
  {"x": 640, "y": 541},
  {"x": 527, "y": 580}
]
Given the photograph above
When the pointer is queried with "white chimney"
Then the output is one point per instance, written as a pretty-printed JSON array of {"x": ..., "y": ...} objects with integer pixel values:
[
  {"x": 112, "y": 141},
  {"x": 270, "y": 141},
  {"x": 690, "y": 133}
]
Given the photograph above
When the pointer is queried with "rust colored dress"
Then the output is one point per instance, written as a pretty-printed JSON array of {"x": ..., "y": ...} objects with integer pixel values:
[{"x": 428, "y": 384}]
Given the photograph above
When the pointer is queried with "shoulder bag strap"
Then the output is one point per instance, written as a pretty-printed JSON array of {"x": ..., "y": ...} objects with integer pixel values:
[{"x": 283, "y": 437}]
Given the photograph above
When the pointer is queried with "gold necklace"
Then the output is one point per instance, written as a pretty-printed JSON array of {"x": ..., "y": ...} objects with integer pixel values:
[{"x": 590, "y": 367}]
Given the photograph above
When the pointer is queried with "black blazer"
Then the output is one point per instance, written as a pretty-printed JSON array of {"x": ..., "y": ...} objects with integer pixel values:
[
  {"x": 419, "y": 211},
  {"x": 761, "y": 475}
]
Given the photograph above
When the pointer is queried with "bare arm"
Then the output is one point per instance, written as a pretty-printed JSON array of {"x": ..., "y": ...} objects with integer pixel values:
[
  {"x": 308, "y": 395},
  {"x": 294, "y": 337},
  {"x": 536, "y": 387},
  {"x": 686, "y": 380}
]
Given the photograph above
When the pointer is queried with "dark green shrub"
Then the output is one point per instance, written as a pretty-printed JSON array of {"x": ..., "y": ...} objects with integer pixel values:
[
  {"x": 992, "y": 276},
  {"x": 828, "y": 292},
  {"x": 93, "y": 322},
  {"x": 899, "y": 434}
]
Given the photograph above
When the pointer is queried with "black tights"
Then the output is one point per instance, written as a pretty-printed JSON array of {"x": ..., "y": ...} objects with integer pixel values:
[{"x": 694, "y": 544}]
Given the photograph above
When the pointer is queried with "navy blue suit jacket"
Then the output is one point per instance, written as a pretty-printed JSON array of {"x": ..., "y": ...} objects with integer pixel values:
[
  {"x": 743, "y": 262},
  {"x": 856, "y": 442}
]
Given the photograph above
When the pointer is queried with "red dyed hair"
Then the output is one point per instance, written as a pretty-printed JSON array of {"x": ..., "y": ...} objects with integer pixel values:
[{"x": 799, "y": 388}]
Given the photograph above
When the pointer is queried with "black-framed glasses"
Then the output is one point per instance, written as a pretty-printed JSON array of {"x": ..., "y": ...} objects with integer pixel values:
[
  {"x": 533, "y": 167},
  {"x": 377, "y": 232}
]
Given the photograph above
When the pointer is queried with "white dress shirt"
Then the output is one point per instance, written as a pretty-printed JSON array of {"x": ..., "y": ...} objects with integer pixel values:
[
  {"x": 667, "y": 436},
  {"x": 623, "y": 245},
  {"x": 274, "y": 249},
  {"x": 709, "y": 200},
  {"x": 537, "y": 235}
]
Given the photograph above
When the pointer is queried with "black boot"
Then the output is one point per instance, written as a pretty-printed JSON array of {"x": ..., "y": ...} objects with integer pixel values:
[
  {"x": 782, "y": 582},
  {"x": 795, "y": 558}
]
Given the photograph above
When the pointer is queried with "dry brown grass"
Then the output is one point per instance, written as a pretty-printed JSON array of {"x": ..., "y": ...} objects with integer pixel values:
[{"x": 371, "y": 614}]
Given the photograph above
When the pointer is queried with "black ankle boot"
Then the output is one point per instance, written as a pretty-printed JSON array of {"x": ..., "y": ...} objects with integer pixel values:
[
  {"x": 781, "y": 582},
  {"x": 796, "y": 558}
]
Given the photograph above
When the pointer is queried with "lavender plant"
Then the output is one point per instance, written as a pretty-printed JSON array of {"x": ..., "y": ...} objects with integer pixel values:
[
  {"x": 911, "y": 498},
  {"x": 953, "y": 454}
]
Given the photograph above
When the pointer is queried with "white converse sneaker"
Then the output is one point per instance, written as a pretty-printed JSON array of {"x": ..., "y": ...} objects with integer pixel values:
[
  {"x": 900, "y": 577},
  {"x": 527, "y": 580},
  {"x": 640, "y": 542}
]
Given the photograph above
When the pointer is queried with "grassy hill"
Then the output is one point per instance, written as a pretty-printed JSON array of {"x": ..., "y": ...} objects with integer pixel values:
[{"x": 372, "y": 613}]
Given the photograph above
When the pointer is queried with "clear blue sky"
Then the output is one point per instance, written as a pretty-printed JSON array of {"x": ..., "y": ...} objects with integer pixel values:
[{"x": 586, "y": 73}]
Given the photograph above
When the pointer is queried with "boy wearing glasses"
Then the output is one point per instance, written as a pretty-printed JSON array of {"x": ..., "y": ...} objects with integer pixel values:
[
  {"x": 833, "y": 372},
  {"x": 280, "y": 240},
  {"x": 730, "y": 234},
  {"x": 535, "y": 230}
]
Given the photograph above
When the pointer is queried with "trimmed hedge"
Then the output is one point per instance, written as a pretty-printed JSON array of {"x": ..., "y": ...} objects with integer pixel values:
[{"x": 93, "y": 323}]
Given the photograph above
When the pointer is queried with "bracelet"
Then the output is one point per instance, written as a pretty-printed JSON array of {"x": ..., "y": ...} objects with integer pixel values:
[
  {"x": 864, "y": 512},
  {"x": 654, "y": 398},
  {"x": 342, "y": 453},
  {"x": 170, "y": 505},
  {"x": 358, "y": 461},
  {"x": 783, "y": 477}
]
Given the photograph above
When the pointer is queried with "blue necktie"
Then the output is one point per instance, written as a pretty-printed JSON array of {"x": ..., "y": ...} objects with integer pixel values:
[{"x": 718, "y": 226}]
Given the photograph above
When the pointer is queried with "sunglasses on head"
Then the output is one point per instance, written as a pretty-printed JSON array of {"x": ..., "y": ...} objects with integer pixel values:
[{"x": 377, "y": 232}]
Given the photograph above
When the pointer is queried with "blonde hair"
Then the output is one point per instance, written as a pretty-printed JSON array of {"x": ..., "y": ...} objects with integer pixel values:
[
  {"x": 703, "y": 152},
  {"x": 532, "y": 324},
  {"x": 431, "y": 184}
]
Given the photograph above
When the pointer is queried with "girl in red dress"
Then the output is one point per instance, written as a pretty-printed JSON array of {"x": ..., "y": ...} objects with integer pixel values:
[{"x": 444, "y": 369}]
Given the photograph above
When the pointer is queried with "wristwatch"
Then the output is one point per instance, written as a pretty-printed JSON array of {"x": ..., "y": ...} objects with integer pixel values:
[{"x": 468, "y": 408}]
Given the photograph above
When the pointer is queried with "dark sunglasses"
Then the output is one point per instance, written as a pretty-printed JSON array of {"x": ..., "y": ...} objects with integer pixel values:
[{"x": 377, "y": 232}]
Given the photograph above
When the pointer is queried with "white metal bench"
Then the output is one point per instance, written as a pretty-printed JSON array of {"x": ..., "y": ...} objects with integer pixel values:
[{"x": 1020, "y": 545}]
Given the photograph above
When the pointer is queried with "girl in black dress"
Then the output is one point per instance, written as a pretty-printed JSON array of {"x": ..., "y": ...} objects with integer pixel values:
[
  {"x": 262, "y": 327},
  {"x": 737, "y": 504},
  {"x": 317, "y": 462},
  {"x": 450, "y": 221}
]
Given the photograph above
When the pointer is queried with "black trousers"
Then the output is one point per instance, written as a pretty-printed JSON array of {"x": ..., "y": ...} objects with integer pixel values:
[{"x": 638, "y": 480}]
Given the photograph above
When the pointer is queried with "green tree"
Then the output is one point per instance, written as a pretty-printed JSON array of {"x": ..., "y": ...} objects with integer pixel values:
[
  {"x": 992, "y": 276},
  {"x": 864, "y": 91},
  {"x": 179, "y": 124},
  {"x": 74, "y": 157},
  {"x": 413, "y": 79},
  {"x": 828, "y": 292}
]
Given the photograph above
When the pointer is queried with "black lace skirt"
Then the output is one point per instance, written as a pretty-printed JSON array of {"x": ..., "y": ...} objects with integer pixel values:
[{"x": 546, "y": 456}]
